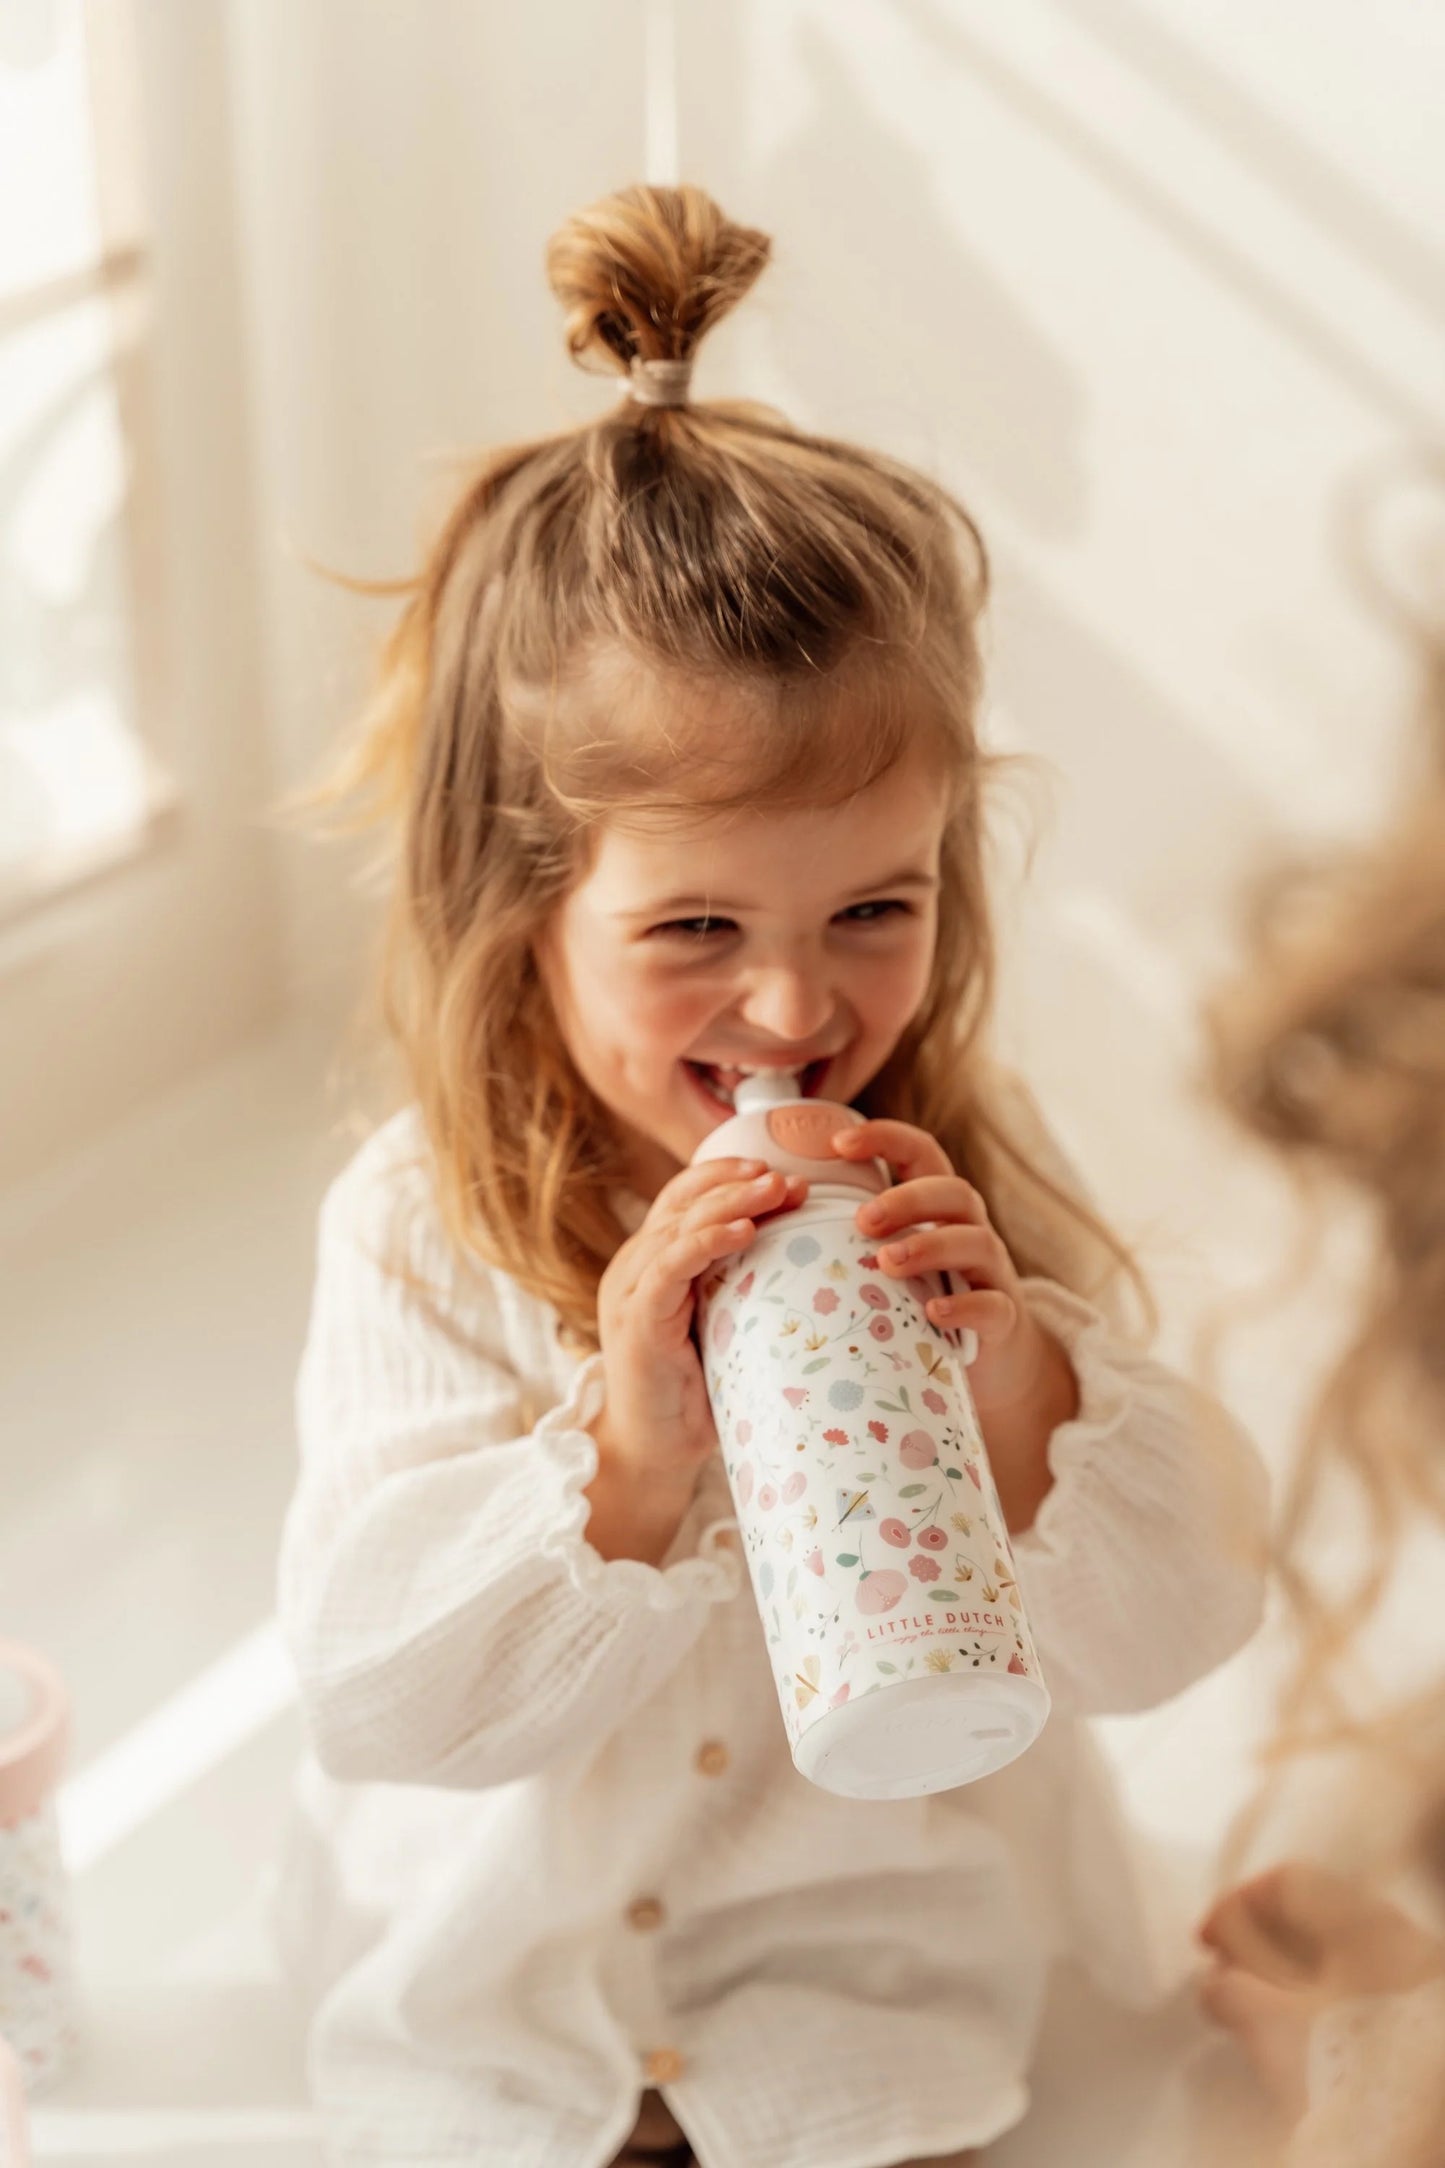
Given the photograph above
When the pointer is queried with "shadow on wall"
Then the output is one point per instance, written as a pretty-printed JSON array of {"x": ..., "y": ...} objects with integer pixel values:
[
  {"x": 879, "y": 272},
  {"x": 1149, "y": 787},
  {"x": 1151, "y": 795},
  {"x": 1349, "y": 362},
  {"x": 1125, "y": 917},
  {"x": 1312, "y": 183}
]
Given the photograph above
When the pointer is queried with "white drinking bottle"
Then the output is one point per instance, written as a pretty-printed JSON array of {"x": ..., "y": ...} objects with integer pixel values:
[{"x": 868, "y": 1512}]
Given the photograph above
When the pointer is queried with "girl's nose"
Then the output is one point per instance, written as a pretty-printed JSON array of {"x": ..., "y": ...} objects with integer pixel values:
[{"x": 793, "y": 1007}]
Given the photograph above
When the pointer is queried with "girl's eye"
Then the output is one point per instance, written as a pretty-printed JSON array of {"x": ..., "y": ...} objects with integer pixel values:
[{"x": 698, "y": 929}]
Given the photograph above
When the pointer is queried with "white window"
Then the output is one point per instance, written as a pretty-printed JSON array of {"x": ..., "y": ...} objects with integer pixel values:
[{"x": 80, "y": 786}]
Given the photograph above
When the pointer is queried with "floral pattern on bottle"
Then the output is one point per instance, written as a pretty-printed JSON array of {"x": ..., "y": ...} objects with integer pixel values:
[
  {"x": 37, "y": 1984},
  {"x": 868, "y": 1511}
]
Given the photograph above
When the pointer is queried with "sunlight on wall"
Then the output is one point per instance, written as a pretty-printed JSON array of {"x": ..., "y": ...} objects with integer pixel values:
[{"x": 76, "y": 781}]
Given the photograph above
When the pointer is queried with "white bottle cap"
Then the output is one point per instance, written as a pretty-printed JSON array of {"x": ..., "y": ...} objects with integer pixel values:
[{"x": 767, "y": 1088}]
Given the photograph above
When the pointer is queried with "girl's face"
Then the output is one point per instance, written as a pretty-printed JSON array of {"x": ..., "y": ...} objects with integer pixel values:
[{"x": 797, "y": 940}]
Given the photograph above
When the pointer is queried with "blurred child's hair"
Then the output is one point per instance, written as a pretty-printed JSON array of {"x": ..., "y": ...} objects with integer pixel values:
[
  {"x": 1332, "y": 1049},
  {"x": 593, "y": 604}
]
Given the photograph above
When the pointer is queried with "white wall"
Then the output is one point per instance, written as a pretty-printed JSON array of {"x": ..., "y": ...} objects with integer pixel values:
[
  {"x": 1154, "y": 284},
  {"x": 400, "y": 170}
]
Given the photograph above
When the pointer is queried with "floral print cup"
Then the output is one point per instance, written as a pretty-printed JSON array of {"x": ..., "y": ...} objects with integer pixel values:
[
  {"x": 872, "y": 1528},
  {"x": 37, "y": 1982},
  {"x": 14, "y": 2144}
]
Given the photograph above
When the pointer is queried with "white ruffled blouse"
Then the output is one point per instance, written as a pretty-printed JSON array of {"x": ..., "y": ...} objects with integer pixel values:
[{"x": 550, "y": 1848}]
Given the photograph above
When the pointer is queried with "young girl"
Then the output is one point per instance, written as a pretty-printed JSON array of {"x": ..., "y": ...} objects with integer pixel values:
[
  {"x": 1333, "y": 1050},
  {"x": 677, "y": 731}
]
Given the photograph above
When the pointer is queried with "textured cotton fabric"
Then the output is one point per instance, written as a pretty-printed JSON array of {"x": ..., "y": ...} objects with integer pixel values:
[{"x": 550, "y": 1849}]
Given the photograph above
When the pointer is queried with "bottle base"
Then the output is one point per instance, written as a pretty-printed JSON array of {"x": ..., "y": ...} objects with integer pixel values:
[{"x": 922, "y": 1735}]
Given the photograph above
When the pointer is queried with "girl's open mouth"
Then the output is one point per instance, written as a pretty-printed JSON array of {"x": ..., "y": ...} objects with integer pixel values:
[{"x": 717, "y": 1086}]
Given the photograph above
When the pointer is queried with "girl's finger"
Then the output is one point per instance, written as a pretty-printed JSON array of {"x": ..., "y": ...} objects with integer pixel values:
[
  {"x": 974, "y": 1251},
  {"x": 695, "y": 1181},
  {"x": 928, "y": 1197},
  {"x": 665, "y": 1285},
  {"x": 1239, "y": 1937},
  {"x": 1243, "y": 2003},
  {"x": 723, "y": 1199},
  {"x": 908, "y": 1151},
  {"x": 1272, "y": 1924},
  {"x": 986, "y": 1312},
  {"x": 733, "y": 1200},
  {"x": 1271, "y": 2024}
]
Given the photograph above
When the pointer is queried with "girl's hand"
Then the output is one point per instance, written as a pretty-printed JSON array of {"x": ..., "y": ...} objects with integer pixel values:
[
  {"x": 1291, "y": 1942},
  {"x": 656, "y": 1423},
  {"x": 1016, "y": 1357}
]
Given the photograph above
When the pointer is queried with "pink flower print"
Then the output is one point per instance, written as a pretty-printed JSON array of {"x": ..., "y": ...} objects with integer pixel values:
[
  {"x": 840, "y": 1697},
  {"x": 825, "y": 1300},
  {"x": 814, "y": 1561},
  {"x": 745, "y": 1285},
  {"x": 896, "y": 1533},
  {"x": 869, "y": 1261},
  {"x": 836, "y": 1437},
  {"x": 970, "y": 1469},
  {"x": 1016, "y": 1663},
  {"x": 878, "y": 1430},
  {"x": 794, "y": 1488},
  {"x": 795, "y": 1395},
  {"x": 933, "y": 1539},
  {"x": 880, "y": 1592},
  {"x": 881, "y": 1327},
  {"x": 917, "y": 1450},
  {"x": 874, "y": 1295},
  {"x": 924, "y": 1569},
  {"x": 767, "y": 1498},
  {"x": 743, "y": 1483},
  {"x": 723, "y": 1329},
  {"x": 743, "y": 1431},
  {"x": 934, "y": 1400}
]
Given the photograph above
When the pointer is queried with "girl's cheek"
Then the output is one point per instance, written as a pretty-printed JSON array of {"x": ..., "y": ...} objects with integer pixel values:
[{"x": 673, "y": 1019}]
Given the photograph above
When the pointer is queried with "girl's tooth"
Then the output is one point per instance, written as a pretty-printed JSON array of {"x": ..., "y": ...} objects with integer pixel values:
[{"x": 715, "y": 1091}]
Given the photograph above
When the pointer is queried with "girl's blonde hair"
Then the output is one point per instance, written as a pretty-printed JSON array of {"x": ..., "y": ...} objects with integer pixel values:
[
  {"x": 1332, "y": 1050},
  {"x": 594, "y": 602}
]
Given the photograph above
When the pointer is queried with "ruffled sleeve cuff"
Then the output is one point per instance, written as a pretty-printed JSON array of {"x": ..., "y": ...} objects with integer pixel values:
[
  {"x": 702, "y": 1565},
  {"x": 1106, "y": 1397},
  {"x": 1144, "y": 1566}
]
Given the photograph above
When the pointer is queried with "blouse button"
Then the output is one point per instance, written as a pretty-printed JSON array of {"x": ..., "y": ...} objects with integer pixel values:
[
  {"x": 712, "y": 1758},
  {"x": 664, "y": 2066},
  {"x": 645, "y": 1913}
]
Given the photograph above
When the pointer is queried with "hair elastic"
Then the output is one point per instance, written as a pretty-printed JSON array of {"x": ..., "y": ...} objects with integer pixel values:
[{"x": 659, "y": 383}]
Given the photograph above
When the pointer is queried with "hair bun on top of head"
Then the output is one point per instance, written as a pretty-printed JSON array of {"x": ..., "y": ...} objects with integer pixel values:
[{"x": 642, "y": 275}]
